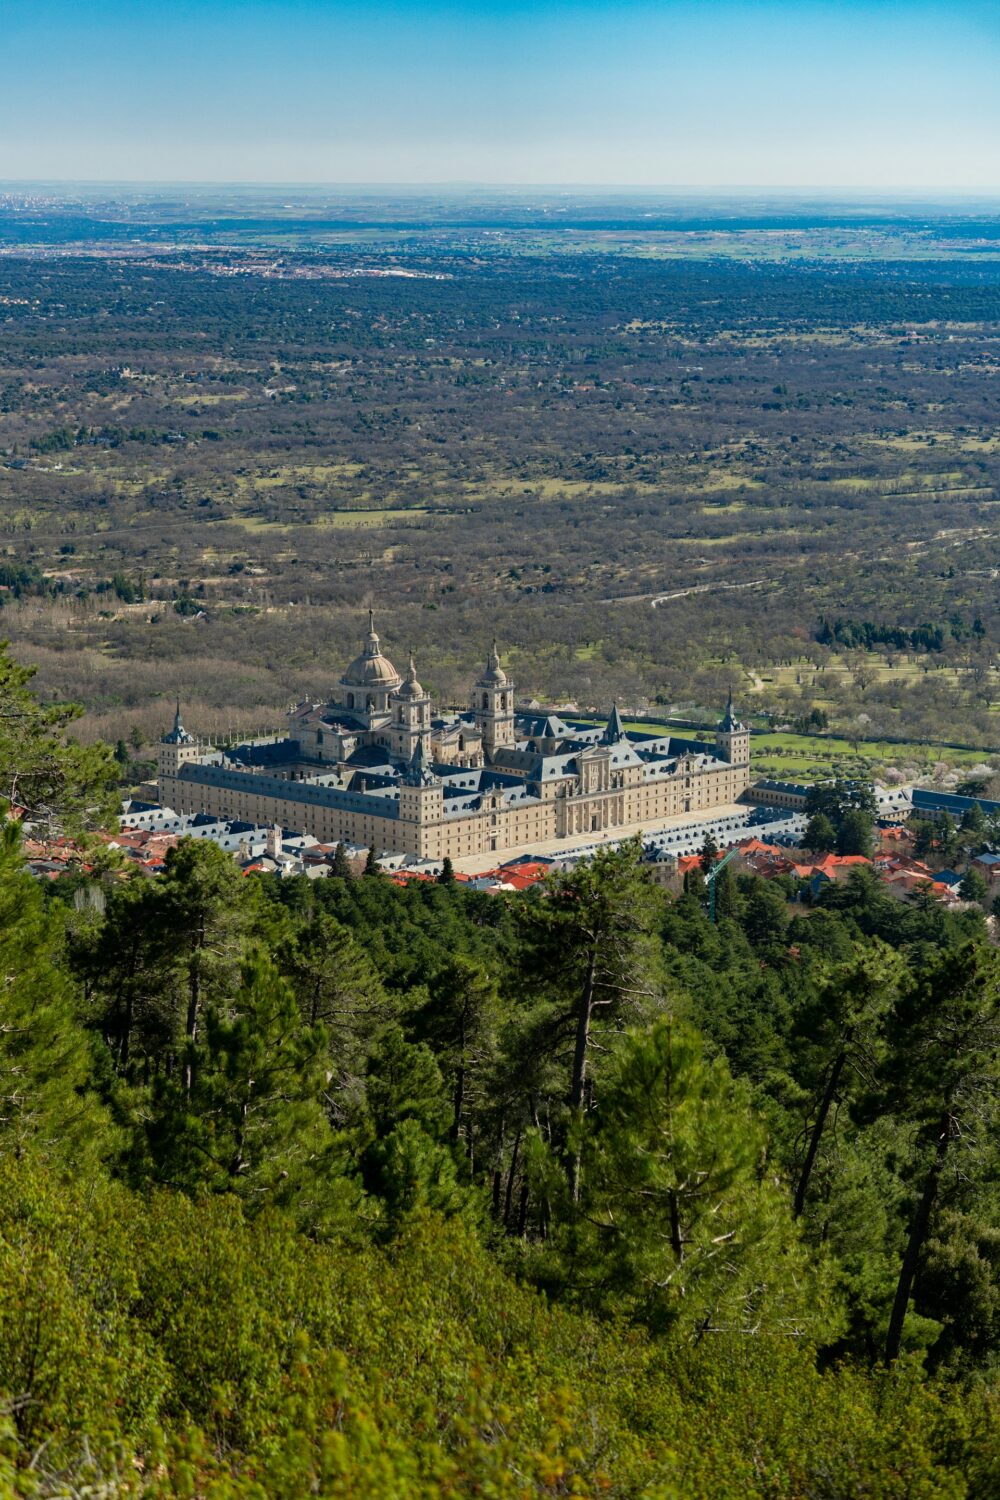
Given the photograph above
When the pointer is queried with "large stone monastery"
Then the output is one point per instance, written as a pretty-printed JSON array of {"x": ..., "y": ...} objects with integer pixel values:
[{"x": 378, "y": 765}]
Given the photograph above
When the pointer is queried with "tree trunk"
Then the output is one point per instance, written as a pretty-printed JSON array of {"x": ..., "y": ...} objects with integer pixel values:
[
  {"x": 193, "y": 1007},
  {"x": 458, "y": 1101},
  {"x": 498, "y": 1169},
  {"x": 508, "y": 1196},
  {"x": 237, "y": 1161},
  {"x": 676, "y": 1239},
  {"x": 914, "y": 1245},
  {"x": 191, "y": 1026},
  {"x": 817, "y": 1132},
  {"x": 580, "y": 1065},
  {"x": 583, "y": 1034},
  {"x": 459, "y": 1095},
  {"x": 128, "y": 1021}
]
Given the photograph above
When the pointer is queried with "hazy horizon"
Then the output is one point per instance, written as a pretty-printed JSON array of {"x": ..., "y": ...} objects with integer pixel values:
[
  {"x": 843, "y": 193},
  {"x": 860, "y": 96}
]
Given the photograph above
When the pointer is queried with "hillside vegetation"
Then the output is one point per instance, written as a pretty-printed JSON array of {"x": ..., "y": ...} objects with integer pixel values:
[{"x": 337, "y": 1188}]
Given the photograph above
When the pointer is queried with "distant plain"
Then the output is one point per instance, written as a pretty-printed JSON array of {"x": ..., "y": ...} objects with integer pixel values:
[{"x": 652, "y": 445}]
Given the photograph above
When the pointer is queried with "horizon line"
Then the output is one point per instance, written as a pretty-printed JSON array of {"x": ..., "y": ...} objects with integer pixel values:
[{"x": 477, "y": 185}]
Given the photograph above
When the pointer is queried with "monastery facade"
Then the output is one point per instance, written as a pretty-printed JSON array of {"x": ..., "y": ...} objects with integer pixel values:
[{"x": 377, "y": 764}]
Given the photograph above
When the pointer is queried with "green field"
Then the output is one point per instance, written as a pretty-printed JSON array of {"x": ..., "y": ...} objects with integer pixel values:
[{"x": 802, "y": 757}]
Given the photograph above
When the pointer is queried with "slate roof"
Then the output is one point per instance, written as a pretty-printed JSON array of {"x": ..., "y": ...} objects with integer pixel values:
[
  {"x": 178, "y": 735},
  {"x": 615, "y": 729}
]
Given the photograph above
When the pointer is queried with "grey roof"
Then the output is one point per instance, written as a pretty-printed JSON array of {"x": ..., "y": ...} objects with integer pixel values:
[
  {"x": 729, "y": 724},
  {"x": 178, "y": 735},
  {"x": 418, "y": 772},
  {"x": 261, "y": 784},
  {"x": 535, "y": 727},
  {"x": 615, "y": 729}
]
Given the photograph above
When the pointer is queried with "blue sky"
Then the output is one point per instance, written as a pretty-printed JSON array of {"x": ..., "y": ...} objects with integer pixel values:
[{"x": 878, "y": 94}]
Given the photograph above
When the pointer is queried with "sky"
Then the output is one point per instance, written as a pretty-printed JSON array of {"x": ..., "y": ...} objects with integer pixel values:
[{"x": 879, "y": 95}]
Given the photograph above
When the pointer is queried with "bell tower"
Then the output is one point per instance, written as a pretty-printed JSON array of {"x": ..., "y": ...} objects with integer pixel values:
[
  {"x": 410, "y": 707},
  {"x": 493, "y": 706}
]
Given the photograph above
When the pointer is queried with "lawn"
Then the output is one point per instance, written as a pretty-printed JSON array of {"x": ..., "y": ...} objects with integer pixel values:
[{"x": 786, "y": 756}]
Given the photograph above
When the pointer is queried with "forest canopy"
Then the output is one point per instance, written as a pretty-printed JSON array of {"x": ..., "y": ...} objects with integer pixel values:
[{"x": 338, "y": 1187}]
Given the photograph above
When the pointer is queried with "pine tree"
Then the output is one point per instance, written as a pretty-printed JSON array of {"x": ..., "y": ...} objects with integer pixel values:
[
  {"x": 854, "y": 835},
  {"x": 589, "y": 942},
  {"x": 126, "y": 967},
  {"x": 46, "y": 1063},
  {"x": 678, "y": 1223},
  {"x": 372, "y": 866},
  {"x": 412, "y": 1171},
  {"x": 460, "y": 1023},
  {"x": 336, "y": 987},
  {"x": 973, "y": 825},
  {"x": 727, "y": 896},
  {"x": 820, "y": 835},
  {"x": 341, "y": 865},
  {"x": 765, "y": 916},
  {"x": 973, "y": 886},
  {"x": 404, "y": 1083},
  {"x": 842, "y": 1030},
  {"x": 943, "y": 1074},
  {"x": 252, "y": 1121},
  {"x": 205, "y": 919},
  {"x": 42, "y": 771}
]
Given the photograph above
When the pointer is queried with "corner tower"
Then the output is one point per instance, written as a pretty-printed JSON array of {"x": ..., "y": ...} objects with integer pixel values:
[
  {"x": 176, "y": 748},
  {"x": 732, "y": 739},
  {"x": 493, "y": 706},
  {"x": 421, "y": 802}
]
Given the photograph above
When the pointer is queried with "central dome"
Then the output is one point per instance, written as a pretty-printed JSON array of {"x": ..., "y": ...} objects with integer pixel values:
[{"x": 371, "y": 668}]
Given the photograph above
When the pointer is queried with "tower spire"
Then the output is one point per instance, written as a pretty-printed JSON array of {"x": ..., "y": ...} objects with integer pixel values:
[
  {"x": 730, "y": 721},
  {"x": 418, "y": 771},
  {"x": 178, "y": 735},
  {"x": 615, "y": 729}
]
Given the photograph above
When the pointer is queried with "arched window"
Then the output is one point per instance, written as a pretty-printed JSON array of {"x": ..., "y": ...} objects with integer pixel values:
[{"x": 486, "y": 700}]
